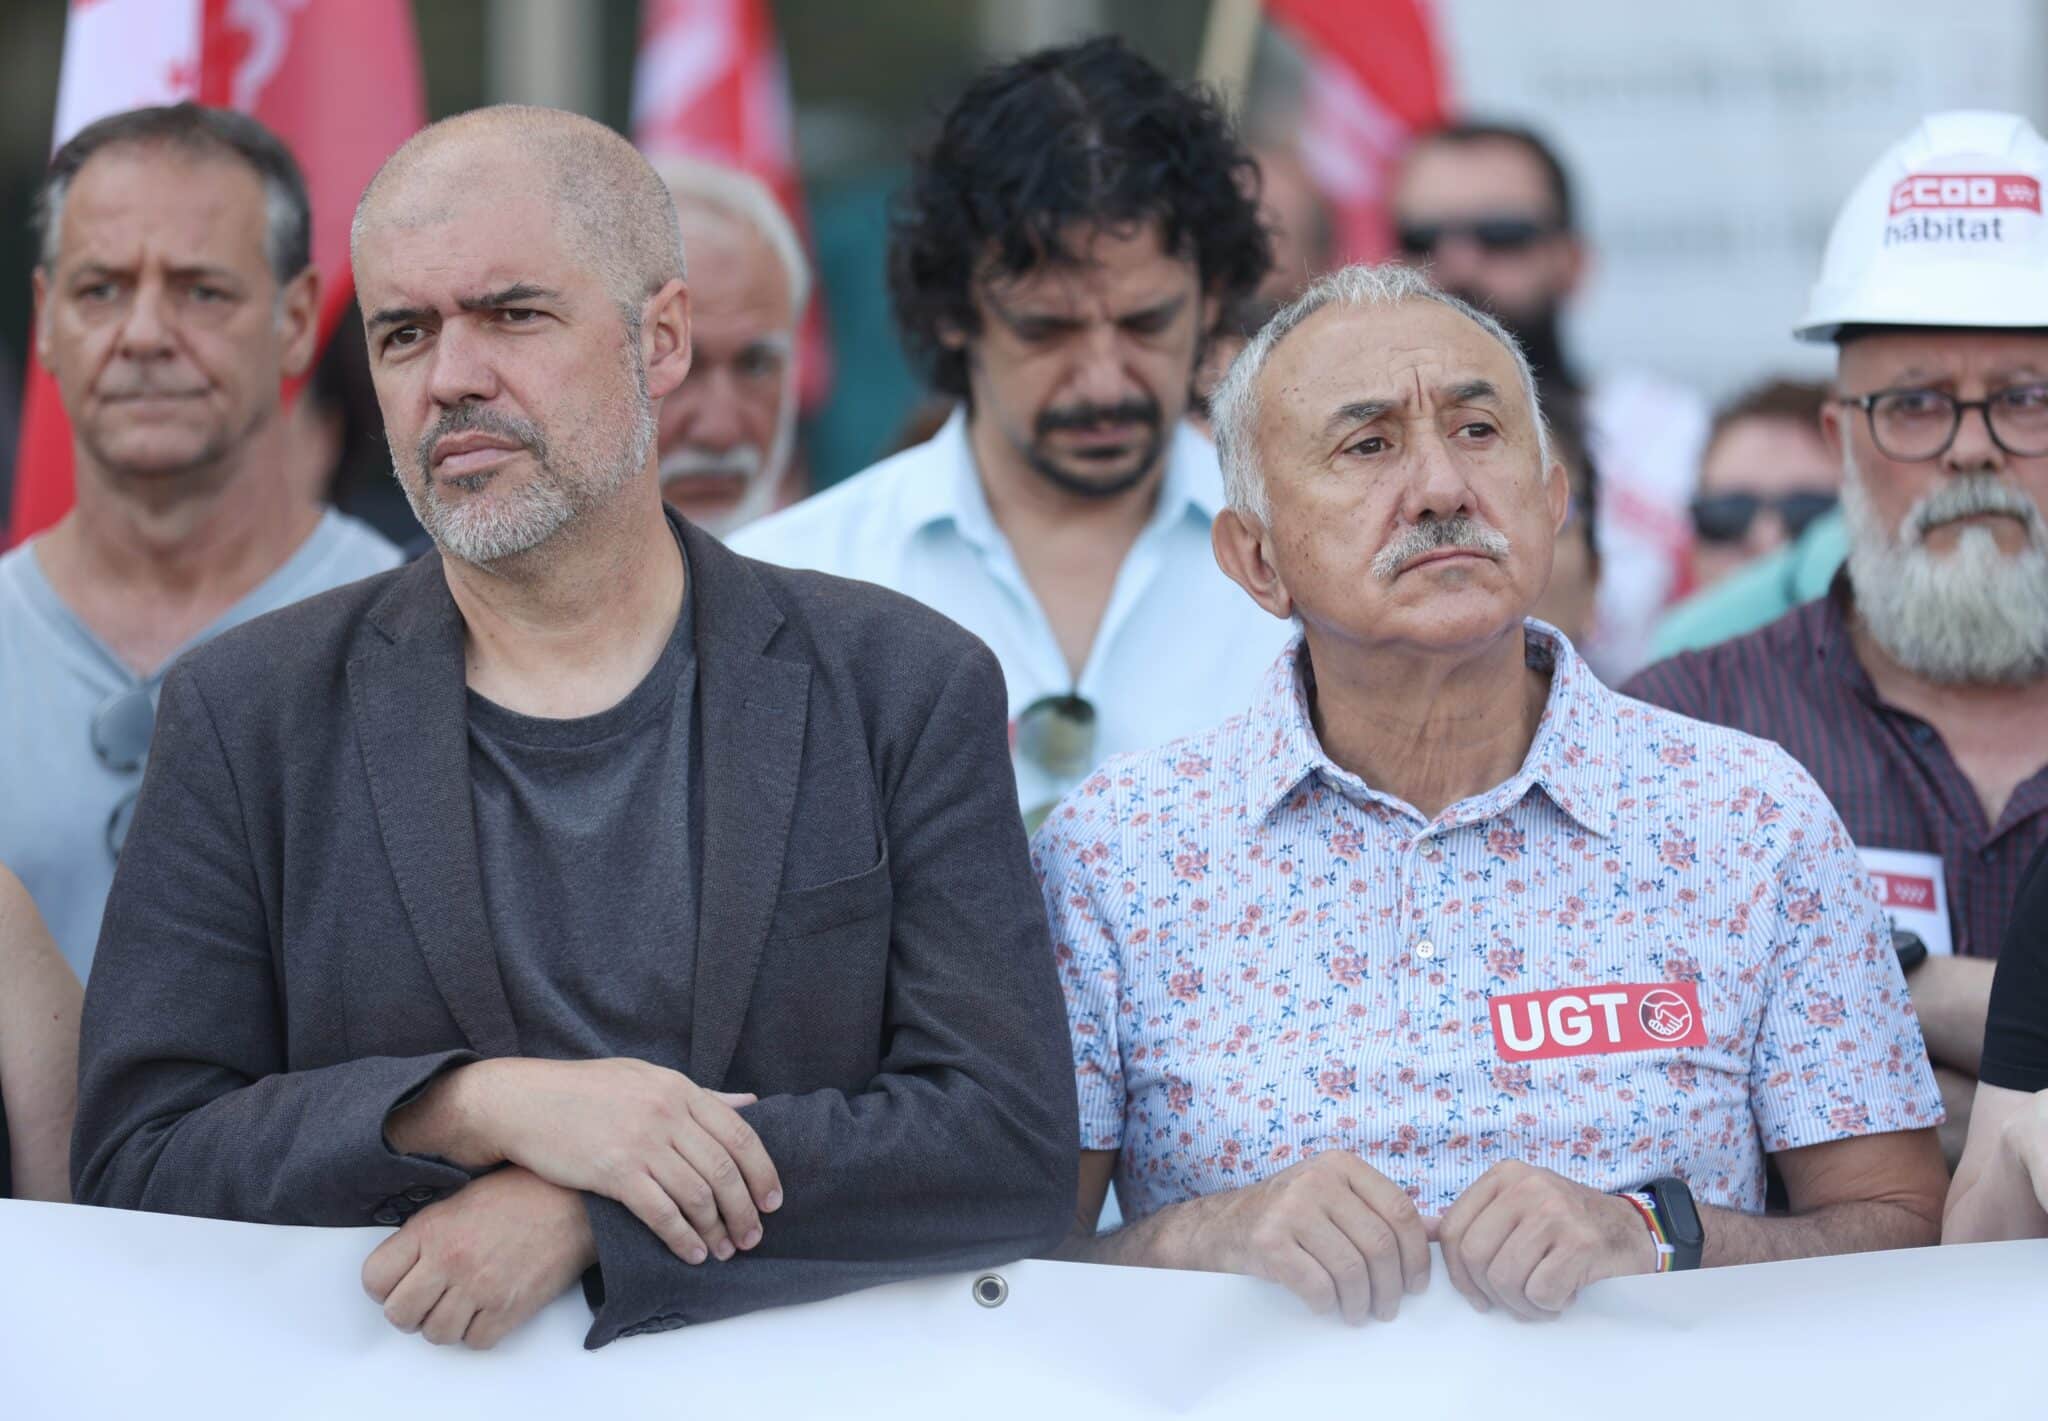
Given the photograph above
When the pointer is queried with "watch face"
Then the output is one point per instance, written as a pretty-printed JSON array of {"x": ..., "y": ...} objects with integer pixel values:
[{"x": 1681, "y": 1216}]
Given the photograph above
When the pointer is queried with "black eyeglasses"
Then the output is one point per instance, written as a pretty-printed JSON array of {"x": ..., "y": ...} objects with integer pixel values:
[
  {"x": 121, "y": 730},
  {"x": 1491, "y": 234},
  {"x": 1055, "y": 735},
  {"x": 1916, "y": 424},
  {"x": 1726, "y": 517}
]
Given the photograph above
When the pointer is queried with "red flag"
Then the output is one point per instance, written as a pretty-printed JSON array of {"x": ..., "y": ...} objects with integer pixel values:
[
  {"x": 1376, "y": 78},
  {"x": 710, "y": 83},
  {"x": 338, "y": 80}
]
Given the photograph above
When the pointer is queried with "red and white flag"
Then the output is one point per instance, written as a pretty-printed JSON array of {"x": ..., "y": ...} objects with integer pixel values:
[
  {"x": 1376, "y": 78},
  {"x": 710, "y": 83},
  {"x": 338, "y": 80}
]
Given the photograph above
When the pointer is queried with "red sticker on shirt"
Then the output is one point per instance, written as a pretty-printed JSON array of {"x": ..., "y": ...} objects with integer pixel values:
[
  {"x": 1904, "y": 890},
  {"x": 1598, "y": 1021}
]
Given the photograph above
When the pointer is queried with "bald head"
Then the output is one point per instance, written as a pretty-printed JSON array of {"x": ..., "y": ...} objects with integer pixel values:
[{"x": 615, "y": 214}]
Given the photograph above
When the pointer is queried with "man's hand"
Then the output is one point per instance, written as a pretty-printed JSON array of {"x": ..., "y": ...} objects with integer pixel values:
[
  {"x": 1333, "y": 1230},
  {"x": 1528, "y": 1240},
  {"x": 479, "y": 1263},
  {"x": 677, "y": 1155}
]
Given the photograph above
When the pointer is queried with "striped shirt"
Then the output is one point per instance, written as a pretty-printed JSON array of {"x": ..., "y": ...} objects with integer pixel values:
[
  {"x": 1650, "y": 951},
  {"x": 1893, "y": 781}
]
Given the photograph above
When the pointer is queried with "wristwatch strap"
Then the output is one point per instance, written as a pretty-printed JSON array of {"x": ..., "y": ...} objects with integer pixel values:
[{"x": 1646, "y": 1205}]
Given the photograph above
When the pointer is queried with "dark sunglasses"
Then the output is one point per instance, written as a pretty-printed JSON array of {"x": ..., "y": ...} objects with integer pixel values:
[
  {"x": 121, "y": 730},
  {"x": 1055, "y": 735},
  {"x": 1490, "y": 234},
  {"x": 1725, "y": 517}
]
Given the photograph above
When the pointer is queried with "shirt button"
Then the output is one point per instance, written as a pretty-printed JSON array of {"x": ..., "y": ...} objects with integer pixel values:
[
  {"x": 1425, "y": 949},
  {"x": 419, "y": 1194},
  {"x": 385, "y": 1216},
  {"x": 1922, "y": 732}
]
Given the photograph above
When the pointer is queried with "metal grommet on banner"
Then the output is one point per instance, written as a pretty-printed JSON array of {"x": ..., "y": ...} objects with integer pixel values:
[{"x": 990, "y": 1290}]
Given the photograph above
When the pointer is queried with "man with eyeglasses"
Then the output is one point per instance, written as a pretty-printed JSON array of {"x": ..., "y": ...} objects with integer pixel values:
[
  {"x": 1079, "y": 233},
  {"x": 1490, "y": 211},
  {"x": 175, "y": 292},
  {"x": 1916, "y": 689}
]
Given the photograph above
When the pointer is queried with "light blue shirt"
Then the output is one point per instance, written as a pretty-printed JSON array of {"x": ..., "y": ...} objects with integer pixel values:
[
  {"x": 1180, "y": 645},
  {"x": 56, "y": 797}
]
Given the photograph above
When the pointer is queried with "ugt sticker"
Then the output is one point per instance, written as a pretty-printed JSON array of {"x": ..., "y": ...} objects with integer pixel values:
[{"x": 1598, "y": 1021}]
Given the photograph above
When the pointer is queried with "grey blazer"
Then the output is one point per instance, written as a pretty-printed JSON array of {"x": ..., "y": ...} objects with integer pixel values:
[{"x": 296, "y": 940}]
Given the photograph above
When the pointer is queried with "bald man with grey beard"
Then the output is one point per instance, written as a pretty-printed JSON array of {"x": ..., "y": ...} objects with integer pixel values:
[{"x": 584, "y": 901}]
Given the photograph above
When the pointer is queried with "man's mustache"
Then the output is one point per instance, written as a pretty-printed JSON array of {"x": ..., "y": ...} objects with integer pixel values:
[
  {"x": 742, "y": 461},
  {"x": 475, "y": 419},
  {"x": 1434, "y": 533},
  {"x": 1145, "y": 412},
  {"x": 142, "y": 387},
  {"x": 1969, "y": 496}
]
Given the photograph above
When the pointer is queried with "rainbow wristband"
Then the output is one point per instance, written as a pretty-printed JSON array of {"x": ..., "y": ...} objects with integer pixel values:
[{"x": 1647, "y": 1207}]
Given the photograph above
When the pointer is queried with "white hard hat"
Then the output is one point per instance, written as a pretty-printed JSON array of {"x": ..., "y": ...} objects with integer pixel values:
[{"x": 1946, "y": 230}]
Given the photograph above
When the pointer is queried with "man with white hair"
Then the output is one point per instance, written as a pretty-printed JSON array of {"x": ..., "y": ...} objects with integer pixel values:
[
  {"x": 1442, "y": 939},
  {"x": 1916, "y": 690},
  {"x": 727, "y": 432}
]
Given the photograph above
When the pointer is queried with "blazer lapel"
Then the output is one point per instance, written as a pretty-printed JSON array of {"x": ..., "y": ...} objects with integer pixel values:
[
  {"x": 412, "y": 719},
  {"x": 754, "y": 708}
]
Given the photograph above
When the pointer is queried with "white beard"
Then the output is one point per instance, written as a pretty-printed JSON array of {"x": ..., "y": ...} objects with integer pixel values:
[
  {"x": 763, "y": 482},
  {"x": 1973, "y": 616}
]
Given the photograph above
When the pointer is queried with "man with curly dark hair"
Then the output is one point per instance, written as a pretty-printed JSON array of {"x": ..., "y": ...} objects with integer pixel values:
[{"x": 1077, "y": 233}]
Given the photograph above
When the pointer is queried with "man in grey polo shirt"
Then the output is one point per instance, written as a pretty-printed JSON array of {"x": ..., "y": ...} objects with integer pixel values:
[{"x": 174, "y": 295}]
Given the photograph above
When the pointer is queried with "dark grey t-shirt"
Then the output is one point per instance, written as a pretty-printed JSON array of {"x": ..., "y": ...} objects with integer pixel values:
[{"x": 583, "y": 831}]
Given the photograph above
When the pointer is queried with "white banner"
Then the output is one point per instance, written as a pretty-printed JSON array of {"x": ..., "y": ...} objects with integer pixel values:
[{"x": 110, "y": 1314}]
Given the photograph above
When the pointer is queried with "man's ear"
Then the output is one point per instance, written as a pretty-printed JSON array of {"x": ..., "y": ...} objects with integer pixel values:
[
  {"x": 1831, "y": 432},
  {"x": 665, "y": 338},
  {"x": 39, "y": 286},
  {"x": 1559, "y": 490},
  {"x": 298, "y": 322},
  {"x": 1243, "y": 550}
]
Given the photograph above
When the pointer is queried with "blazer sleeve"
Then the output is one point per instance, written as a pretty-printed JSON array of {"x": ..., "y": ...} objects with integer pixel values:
[
  {"x": 960, "y": 1153},
  {"x": 186, "y": 1101}
]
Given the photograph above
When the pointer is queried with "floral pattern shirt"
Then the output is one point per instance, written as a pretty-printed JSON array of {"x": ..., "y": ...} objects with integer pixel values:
[{"x": 1264, "y": 958}]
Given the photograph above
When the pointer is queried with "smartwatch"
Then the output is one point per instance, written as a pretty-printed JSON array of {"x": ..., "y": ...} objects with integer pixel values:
[{"x": 1679, "y": 1217}]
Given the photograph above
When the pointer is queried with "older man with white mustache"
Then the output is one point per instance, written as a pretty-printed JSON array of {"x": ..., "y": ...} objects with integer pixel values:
[
  {"x": 1442, "y": 940},
  {"x": 1916, "y": 691},
  {"x": 728, "y": 431}
]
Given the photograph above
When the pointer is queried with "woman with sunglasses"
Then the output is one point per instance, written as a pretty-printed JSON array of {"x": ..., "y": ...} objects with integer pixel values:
[{"x": 39, "y": 1004}]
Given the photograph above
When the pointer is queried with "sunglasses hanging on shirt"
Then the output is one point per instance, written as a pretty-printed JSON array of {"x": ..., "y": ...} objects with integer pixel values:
[
  {"x": 120, "y": 731},
  {"x": 1056, "y": 736}
]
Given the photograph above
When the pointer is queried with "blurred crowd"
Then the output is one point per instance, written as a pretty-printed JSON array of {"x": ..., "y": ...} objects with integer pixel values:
[{"x": 1391, "y": 689}]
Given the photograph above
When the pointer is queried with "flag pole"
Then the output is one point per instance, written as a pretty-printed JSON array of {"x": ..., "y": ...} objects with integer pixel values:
[{"x": 1229, "y": 41}]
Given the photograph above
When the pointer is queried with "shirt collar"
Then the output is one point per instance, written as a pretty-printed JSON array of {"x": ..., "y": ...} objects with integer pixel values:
[
  {"x": 951, "y": 492},
  {"x": 1574, "y": 757}
]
